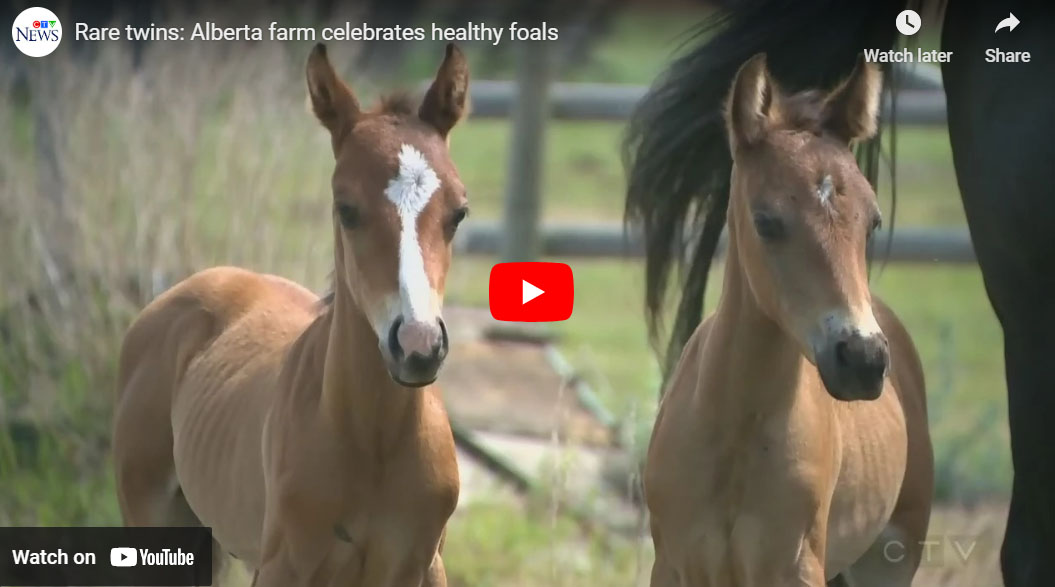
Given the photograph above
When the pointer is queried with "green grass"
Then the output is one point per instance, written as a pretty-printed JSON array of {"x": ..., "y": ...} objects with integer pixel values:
[
  {"x": 582, "y": 177},
  {"x": 500, "y": 544}
]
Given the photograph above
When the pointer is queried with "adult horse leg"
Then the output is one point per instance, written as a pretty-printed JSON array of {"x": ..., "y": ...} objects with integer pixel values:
[{"x": 1001, "y": 126}]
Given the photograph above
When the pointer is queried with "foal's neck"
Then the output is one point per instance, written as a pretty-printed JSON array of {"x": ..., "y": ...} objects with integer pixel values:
[
  {"x": 359, "y": 396},
  {"x": 749, "y": 363}
]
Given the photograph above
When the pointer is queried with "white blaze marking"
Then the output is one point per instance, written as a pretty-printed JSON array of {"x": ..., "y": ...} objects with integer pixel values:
[
  {"x": 824, "y": 190},
  {"x": 863, "y": 322},
  {"x": 410, "y": 191}
]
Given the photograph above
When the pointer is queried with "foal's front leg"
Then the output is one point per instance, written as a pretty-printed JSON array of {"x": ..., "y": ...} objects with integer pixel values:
[
  {"x": 410, "y": 572},
  {"x": 663, "y": 574},
  {"x": 275, "y": 574},
  {"x": 297, "y": 555},
  {"x": 810, "y": 572},
  {"x": 437, "y": 575}
]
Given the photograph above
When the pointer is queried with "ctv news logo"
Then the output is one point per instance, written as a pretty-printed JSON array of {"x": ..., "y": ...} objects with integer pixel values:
[{"x": 36, "y": 32}]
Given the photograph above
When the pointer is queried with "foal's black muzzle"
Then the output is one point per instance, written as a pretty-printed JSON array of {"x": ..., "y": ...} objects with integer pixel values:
[{"x": 854, "y": 367}]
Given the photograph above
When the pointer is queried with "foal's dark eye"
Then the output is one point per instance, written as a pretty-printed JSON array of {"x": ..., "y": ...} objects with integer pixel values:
[
  {"x": 457, "y": 216},
  {"x": 877, "y": 223},
  {"x": 348, "y": 214},
  {"x": 769, "y": 226}
]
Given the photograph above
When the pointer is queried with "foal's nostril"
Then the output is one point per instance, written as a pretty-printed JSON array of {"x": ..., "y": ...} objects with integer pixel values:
[
  {"x": 441, "y": 350},
  {"x": 393, "y": 339},
  {"x": 842, "y": 354},
  {"x": 875, "y": 361},
  {"x": 874, "y": 370},
  {"x": 867, "y": 358}
]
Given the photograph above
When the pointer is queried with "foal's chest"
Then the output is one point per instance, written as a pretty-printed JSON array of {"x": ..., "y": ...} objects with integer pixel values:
[
  {"x": 419, "y": 502},
  {"x": 385, "y": 514},
  {"x": 740, "y": 492},
  {"x": 747, "y": 495}
]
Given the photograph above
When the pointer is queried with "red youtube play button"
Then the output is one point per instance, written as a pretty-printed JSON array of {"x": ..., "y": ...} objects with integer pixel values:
[{"x": 531, "y": 292}]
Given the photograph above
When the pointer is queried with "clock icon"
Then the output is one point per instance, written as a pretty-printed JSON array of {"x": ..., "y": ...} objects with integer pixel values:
[{"x": 908, "y": 22}]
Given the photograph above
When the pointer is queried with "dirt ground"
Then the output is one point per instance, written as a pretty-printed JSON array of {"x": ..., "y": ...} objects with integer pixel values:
[{"x": 494, "y": 384}]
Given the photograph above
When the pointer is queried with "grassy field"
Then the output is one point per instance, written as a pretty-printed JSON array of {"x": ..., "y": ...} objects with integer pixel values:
[{"x": 208, "y": 156}]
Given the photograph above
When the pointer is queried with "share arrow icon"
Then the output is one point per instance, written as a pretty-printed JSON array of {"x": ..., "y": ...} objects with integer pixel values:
[{"x": 1010, "y": 22}]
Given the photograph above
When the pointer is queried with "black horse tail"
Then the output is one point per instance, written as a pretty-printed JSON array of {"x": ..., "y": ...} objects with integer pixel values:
[{"x": 675, "y": 150}]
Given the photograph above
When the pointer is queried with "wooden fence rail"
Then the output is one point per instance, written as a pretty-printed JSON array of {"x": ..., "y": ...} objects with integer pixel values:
[
  {"x": 920, "y": 101},
  {"x": 909, "y": 244},
  {"x": 531, "y": 101}
]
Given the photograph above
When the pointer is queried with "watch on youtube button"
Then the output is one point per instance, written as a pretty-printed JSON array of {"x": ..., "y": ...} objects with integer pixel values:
[{"x": 531, "y": 292}]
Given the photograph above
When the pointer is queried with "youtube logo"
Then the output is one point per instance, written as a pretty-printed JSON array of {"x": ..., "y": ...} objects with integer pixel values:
[
  {"x": 531, "y": 292},
  {"x": 123, "y": 557}
]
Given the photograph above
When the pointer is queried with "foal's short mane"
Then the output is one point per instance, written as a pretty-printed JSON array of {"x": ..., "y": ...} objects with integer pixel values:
[
  {"x": 399, "y": 103},
  {"x": 802, "y": 111}
]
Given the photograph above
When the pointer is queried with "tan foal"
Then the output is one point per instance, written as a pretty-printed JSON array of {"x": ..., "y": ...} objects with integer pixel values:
[
  {"x": 791, "y": 446},
  {"x": 307, "y": 433}
]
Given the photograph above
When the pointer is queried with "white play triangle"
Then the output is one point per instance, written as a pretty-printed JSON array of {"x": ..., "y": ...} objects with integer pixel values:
[{"x": 530, "y": 292}]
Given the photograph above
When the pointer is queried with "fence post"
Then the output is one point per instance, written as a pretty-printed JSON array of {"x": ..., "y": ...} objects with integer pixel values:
[{"x": 524, "y": 178}]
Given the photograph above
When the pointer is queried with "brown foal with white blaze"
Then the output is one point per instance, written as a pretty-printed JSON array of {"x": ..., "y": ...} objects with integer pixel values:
[
  {"x": 791, "y": 446},
  {"x": 285, "y": 423}
]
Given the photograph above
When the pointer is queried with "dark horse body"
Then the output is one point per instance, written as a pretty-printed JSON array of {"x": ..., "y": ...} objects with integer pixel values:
[{"x": 1001, "y": 120}]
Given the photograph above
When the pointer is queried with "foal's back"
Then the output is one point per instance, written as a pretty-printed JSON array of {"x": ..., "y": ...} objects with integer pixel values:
[{"x": 196, "y": 378}]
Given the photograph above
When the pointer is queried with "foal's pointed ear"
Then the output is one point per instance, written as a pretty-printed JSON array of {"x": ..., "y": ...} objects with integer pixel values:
[
  {"x": 851, "y": 111},
  {"x": 445, "y": 102},
  {"x": 750, "y": 106},
  {"x": 331, "y": 99}
]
